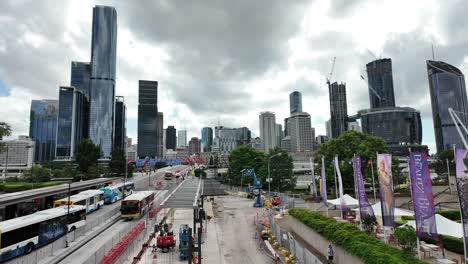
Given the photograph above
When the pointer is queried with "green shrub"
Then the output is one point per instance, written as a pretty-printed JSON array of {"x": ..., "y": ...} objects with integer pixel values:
[
  {"x": 351, "y": 239},
  {"x": 400, "y": 222},
  {"x": 453, "y": 244},
  {"x": 406, "y": 237},
  {"x": 405, "y": 217}
]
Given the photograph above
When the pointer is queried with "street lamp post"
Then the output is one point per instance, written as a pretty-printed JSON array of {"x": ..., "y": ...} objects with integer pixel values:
[
  {"x": 68, "y": 208},
  {"x": 269, "y": 177}
]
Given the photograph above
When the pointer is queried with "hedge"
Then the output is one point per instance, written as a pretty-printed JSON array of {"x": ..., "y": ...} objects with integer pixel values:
[
  {"x": 351, "y": 239},
  {"x": 453, "y": 215}
]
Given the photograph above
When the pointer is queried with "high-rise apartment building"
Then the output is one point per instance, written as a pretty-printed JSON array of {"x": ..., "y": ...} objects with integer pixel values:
[
  {"x": 380, "y": 80},
  {"x": 243, "y": 135},
  {"x": 43, "y": 128},
  {"x": 206, "y": 139},
  {"x": 268, "y": 129},
  {"x": 161, "y": 143},
  {"x": 194, "y": 145},
  {"x": 147, "y": 118},
  {"x": 181, "y": 138},
  {"x": 103, "y": 64},
  {"x": 338, "y": 108},
  {"x": 71, "y": 123},
  {"x": 120, "y": 132},
  {"x": 447, "y": 90},
  {"x": 171, "y": 138},
  {"x": 301, "y": 134},
  {"x": 279, "y": 134},
  {"x": 295, "y": 102}
]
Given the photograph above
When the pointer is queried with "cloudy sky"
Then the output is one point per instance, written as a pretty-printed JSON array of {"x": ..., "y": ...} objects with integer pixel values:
[{"x": 226, "y": 61}]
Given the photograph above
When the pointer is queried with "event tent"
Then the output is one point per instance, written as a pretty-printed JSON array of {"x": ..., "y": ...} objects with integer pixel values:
[
  {"x": 444, "y": 226},
  {"x": 398, "y": 212},
  {"x": 350, "y": 201}
]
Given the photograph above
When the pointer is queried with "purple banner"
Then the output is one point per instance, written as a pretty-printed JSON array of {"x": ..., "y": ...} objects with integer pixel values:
[
  {"x": 365, "y": 208},
  {"x": 323, "y": 183},
  {"x": 423, "y": 199},
  {"x": 462, "y": 187},
  {"x": 384, "y": 171}
]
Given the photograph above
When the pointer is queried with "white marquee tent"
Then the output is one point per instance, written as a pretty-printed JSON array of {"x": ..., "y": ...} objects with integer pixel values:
[
  {"x": 444, "y": 226},
  {"x": 350, "y": 201}
]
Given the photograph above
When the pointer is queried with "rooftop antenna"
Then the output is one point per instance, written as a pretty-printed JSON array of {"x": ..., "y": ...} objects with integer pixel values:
[{"x": 433, "y": 56}]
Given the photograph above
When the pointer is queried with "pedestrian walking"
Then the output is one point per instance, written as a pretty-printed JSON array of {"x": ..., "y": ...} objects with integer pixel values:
[{"x": 330, "y": 253}]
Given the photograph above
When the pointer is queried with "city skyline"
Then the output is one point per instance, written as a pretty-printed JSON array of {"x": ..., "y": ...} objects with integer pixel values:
[{"x": 150, "y": 53}]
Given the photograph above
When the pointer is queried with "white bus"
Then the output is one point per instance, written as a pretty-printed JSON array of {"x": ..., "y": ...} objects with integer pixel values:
[
  {"x": 21, "y": 235},
  {"x": 91, "y": 199},
  {"x": 113, "y": 193},
  {"x": 137, "y": 204}
]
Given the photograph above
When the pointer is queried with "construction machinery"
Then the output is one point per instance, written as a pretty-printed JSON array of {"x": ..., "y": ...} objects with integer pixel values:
[
  {"x": 257, "y": 192},
  {"x": 165, "y": 240},
  {"x": 184, "y": 237}
]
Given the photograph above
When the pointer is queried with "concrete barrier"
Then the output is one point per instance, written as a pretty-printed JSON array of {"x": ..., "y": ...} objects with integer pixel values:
[{"x": 320, "y": 243}]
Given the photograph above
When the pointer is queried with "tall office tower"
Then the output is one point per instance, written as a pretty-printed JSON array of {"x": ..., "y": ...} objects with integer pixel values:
[
  {"x": 295, "y": 102},
  {"x": 171, "y": 140},
  {"x": 103, "y": 62},
  {"x": 268, "y": 129},
  {"x": 120, "y": 123},
  {"x": 301, "y": 132},
  {"x": 160, "y": 142},
  {"x": 447, "y": 89},
  {"x": 129, "y": 142},
  {"x": 380, "y": 80},
  {"x": 43, "y": 128},
  {"x": 71, "y": 121},
  {"x": 147, "y": 118},
  {"x": 338, "y": 109},
  {"x": 194, "y": 145},
  {"x": 243, "y": 135},
  {"x": 164, "y": 143},
  {"x": 206, "y": 139},
  {"x": 279, "y": 134},
  {"x": 328, "y": 128},
  {"x": 80, "y": 76},
  {"x": 286, "y": 120},
  {"x": 182, "y": 138}
]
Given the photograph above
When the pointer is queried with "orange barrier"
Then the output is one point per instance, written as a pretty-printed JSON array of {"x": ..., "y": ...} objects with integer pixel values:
[{"x": 118, "y": 249}]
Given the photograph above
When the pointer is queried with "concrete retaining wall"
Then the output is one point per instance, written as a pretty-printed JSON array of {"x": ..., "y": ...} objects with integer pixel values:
[{"x": 321, "y": 244}]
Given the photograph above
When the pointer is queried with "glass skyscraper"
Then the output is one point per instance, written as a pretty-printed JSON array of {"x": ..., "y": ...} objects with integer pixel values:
[
  {"x": 338, "y": 109},
  {"x": 380, "y": 80},
  {"x": 120, "y": 123},
  {"x": 295, "y": 102},
  {"x": 103, "y": 64},
  {"x": 171, "y": 138},
  {"x": 80, "y": 76},
  {"x": 206, "y": 139},
  {"x": 71, "y": 121},
  {"x": 148, "y": 132},
  {"x": 447, "y": 89},
  {"x": 43, "y": 128}
]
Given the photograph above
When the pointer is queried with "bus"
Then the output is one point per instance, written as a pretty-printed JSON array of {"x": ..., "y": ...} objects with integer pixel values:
[
  {"x": 114, "y": 193},
  {"x": 21, "y": 235},
  {"x": 91, "y": 199},
  {"x": 168, "y": 175},
  {"x": 137, "y": 204}
]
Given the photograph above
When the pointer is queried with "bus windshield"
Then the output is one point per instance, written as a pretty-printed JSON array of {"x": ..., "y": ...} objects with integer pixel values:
[{"x": 129, "y": 207}]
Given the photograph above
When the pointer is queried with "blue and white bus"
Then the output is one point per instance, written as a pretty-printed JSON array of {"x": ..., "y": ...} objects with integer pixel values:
[
  {"x": 91, "y": 199},
  {"x": 21, "y": 235},
  {"x": 113, "y": 193}
]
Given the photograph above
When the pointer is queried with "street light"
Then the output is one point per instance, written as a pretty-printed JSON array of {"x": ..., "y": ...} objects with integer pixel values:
[
  {"x": 68, "y": 208},
  {"x": 269, "y": 178}
]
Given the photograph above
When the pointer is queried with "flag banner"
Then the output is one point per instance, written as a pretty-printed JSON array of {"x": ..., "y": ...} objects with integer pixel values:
[
  {"x": 462, "y": 187},
  {"x": 384, "y": 171},
  {"x": 323, "y": 183},
  {"x": 344, "y": 208},
  {"x": 365, "y": 208},
  {"x": 423, "y": 199}
]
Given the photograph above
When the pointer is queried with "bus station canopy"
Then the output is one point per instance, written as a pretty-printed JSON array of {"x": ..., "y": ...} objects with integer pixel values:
[{"x": 185, "y": 195}]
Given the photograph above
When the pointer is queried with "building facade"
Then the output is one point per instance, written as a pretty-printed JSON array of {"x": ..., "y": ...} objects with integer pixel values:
[
  {"x": 447, "y": 90},
  {"x": 103, "y": 64},
  {"x": 354, "y": 125},
  {"x": 268, "y": 130},
  {"x": 194, "y": 145},
  {"x": 132, "y": 152},
  {"x": 43, "y": 128},
  {"x": 147, "y": 118},
  {"x": 181, "y": 138},
  {"x": 18, "y": 155},
  {"x": 300, "y": 128},
  {"x": 161, "y": 143},
  {"x": 279, "y": 134},
  {"x": 243, "y": 135},
  {"x": 171, "y": 138},
  {"x": 338, "y": 108},
  {"x": 395, "y": 125},
  {"x": 80, "y": 77},
  {"x": 295, "y": 102},
  {"x": 120, "y": 123},
  {"x": 224, "y": 144},
  {"x": 206, "y": 139},
  {"x": 71, "y": 123},
  {"x": 380, "y": 80}
]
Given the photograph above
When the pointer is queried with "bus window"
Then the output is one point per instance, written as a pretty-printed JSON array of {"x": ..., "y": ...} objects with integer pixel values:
[
  {"x": 18, "y": 235},
  {"x": 82, "y": 202},
  {"x": 130, "y": 207},
  {"x": 91, "y": 200}
]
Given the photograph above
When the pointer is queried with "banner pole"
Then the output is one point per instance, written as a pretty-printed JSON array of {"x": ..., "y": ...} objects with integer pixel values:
[
  {"x": 461, "y": 209},
  {"x": 373, "y": 181}
]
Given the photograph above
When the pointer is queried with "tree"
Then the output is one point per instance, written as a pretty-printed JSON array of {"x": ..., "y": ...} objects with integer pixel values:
[
  {"x": 406, "y": 237},
  {"x": 87, "y": 154},
  {"x": 117, "y": 163},
  {"x": 5, "y": 130},
  {"x": 345, "y": 146},
  {"x": 245, "y": 157},
  {"x": 440, "y": 164},
  {"x": 281, "y": 171},
  {"x": 37, "y": 174}
]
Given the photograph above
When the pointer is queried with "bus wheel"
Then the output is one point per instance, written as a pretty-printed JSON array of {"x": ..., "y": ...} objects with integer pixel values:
[
  {"x": 29, "y": 247},
  {"x": 72, "y": 229}
]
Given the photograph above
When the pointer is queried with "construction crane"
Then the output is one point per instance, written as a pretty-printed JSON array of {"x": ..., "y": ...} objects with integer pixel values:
[{"x": 331, "y": 71}]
